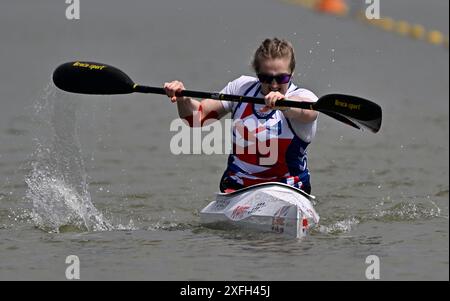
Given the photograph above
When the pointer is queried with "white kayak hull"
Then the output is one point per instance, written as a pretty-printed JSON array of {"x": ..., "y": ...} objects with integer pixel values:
[{"x": 268, "y": 207}]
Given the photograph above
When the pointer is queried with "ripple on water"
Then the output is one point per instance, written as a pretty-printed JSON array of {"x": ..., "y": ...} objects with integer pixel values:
[
  {"x": 385, "y": 212},
  {"x": 406, "y": 210}
]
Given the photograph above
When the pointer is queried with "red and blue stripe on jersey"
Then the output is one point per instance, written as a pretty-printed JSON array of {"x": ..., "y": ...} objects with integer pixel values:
[{"x": 254, "y": 133}]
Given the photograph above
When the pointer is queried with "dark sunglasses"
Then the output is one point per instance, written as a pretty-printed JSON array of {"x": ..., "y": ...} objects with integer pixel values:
[{"x": 283, "y": 78}]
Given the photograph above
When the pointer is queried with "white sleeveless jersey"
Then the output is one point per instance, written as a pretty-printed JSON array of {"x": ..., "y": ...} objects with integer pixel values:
[
  {"x": 306, "y": 131},
  {"x": 266, "y": 146}
]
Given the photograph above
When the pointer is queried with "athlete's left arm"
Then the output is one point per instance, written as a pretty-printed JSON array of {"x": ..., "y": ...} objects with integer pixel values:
[{"x": 301, "y": 115}]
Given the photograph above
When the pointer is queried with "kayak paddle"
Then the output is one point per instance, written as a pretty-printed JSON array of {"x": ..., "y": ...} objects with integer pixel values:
[{"x": 101, "y": 79}]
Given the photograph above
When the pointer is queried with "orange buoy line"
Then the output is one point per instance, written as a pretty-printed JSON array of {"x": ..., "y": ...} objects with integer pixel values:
[
  {"x": 334, "y": 7},
  {"x": 399, "y": 27}
]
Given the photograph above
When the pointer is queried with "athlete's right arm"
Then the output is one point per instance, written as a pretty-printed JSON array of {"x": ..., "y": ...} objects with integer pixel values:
[{"x": 196, "y": 113}]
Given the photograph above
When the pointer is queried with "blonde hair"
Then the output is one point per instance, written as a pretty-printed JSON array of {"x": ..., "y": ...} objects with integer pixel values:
[{"x": 274, "y": 49}]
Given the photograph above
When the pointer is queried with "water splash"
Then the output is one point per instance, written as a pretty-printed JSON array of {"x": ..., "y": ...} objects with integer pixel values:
[
  {"x": 57, "y": 205},
  {"x": 338, "y": 227},
  {"x": 57, "y": 185},
  {"x": 406, "y": 211}
]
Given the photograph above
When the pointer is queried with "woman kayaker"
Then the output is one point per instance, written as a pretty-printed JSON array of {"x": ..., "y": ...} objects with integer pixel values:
[{"x": 269, "y": 143}]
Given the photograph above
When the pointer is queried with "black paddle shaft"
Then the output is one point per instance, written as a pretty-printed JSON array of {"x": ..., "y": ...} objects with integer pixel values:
[
  {"x": 220, "y": 96},
  {"x": 95, "y": 78}
]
